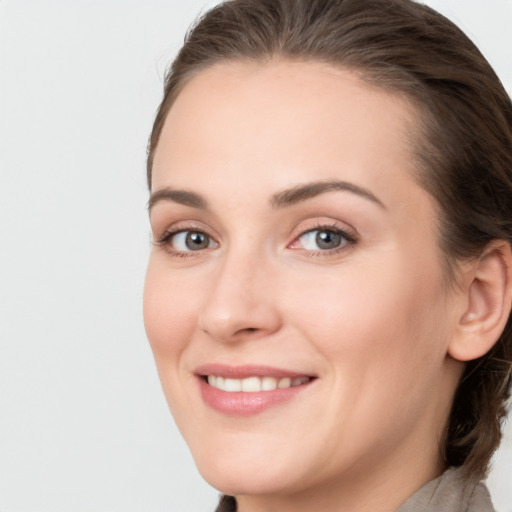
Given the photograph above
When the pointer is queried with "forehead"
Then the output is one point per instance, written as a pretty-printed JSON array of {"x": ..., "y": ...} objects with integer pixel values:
[{"x": 242, "y": 117}]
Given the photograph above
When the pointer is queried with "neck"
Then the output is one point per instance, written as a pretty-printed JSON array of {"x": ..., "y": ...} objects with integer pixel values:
[{"x": 361, "y": 494}]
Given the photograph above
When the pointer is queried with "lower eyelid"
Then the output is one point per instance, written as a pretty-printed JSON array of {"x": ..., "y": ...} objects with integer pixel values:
[
  {"x": 163, "y": 238},
  {"x": 348, "y": 238},
  {"x": 167, "y": 239}
]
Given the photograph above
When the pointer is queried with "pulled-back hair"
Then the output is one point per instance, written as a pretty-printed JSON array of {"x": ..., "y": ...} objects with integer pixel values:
[{"x": 464, "y": 155}]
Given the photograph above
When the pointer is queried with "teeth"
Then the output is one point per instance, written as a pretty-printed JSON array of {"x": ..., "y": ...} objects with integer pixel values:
[
  {"x": 284, "y": 383},
  {"x": 298, "y": 381},
  {"x": 251, "y": 385},
  {"x": 232, "y": 385},
  {"x": 254, "y": 384},
  {"x": 268, "y": 384}
]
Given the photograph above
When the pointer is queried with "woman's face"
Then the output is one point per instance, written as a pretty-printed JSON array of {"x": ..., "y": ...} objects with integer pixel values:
[{"x": 295, "y": 299}]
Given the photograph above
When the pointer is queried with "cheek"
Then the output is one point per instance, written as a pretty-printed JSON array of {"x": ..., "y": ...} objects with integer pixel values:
[
  {"x": 383, "y": 335},
  {"x": 169, "y": 313},
  {"x": 376, "y": 317}
]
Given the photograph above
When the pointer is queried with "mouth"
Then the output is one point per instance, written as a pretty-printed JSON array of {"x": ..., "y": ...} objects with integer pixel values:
[
  {"x": 254, "y": 384},
  {"x": 249, "y": 390}
]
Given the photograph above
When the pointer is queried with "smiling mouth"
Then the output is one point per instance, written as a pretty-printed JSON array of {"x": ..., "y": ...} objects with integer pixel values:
[
  {"x": 254, "y": 384},
  {"x": 247, "y": 390}
]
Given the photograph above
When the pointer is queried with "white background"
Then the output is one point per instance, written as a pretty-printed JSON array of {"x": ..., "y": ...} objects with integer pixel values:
[{"x": 83, "y": 423}]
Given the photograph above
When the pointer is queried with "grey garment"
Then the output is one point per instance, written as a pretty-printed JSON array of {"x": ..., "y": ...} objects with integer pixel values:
[{"x": 448, "y": 493}]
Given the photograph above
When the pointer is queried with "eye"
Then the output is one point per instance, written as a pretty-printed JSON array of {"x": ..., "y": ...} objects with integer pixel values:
[
  {"x": 323, "y": 239},
  {"x": 187, "y": 241},
  {"x": 317, "y": 239}
]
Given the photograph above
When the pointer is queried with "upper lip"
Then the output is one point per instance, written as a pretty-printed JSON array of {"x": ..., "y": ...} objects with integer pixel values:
[{"x": 244, "y": 371}]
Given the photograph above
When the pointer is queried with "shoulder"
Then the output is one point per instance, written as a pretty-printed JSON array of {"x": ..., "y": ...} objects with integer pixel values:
[{"x": 450, "y": 492}]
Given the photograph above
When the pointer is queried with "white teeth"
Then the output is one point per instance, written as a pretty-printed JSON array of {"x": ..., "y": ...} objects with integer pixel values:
[
  {"x": 268, "y": 383},
  {"x": 254, "y": 384},
  {"x": 232, "y": 385},
  {"x": 285, "y": 382},
  {"x": 251, "y": 384}
]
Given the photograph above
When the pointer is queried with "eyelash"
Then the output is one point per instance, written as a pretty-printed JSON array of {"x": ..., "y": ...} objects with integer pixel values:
[
  {"x": 350, "y": 240},
  {"x": 166, "y": 239}
]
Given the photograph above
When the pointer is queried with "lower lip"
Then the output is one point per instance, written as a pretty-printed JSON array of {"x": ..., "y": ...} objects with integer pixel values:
[{"x": 240, "y": 403}]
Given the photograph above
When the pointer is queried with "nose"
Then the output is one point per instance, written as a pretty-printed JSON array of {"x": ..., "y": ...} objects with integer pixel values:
[{"x": 242, "y": 301}]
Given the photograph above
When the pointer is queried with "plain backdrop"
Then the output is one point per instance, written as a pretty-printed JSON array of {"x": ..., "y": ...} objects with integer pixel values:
[{"x": 83, "y": 423}]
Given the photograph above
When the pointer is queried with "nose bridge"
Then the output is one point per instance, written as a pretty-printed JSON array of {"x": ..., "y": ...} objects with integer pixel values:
[{"x": 240, "y": 299}]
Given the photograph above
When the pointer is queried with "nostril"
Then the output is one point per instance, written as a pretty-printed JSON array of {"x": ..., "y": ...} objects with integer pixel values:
[
  {"x": 245, "y": 331},
  {"x": 248, "y": 330}
]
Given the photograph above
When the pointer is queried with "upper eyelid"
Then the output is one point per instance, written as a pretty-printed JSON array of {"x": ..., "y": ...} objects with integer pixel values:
[
  {"x": 326, "y": 225},
  {"x": 343, "y": 232},
  {"x": 170, "y": 232},
  {"x": 165, "y": 242},
  {"x": 349, "y": 238},
  {"x": 180, "y": 226},
  {"x": 303, "y": 227}
]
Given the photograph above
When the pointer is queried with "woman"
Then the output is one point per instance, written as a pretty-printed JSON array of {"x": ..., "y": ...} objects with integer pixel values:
[{"x": 328, "y": 297}]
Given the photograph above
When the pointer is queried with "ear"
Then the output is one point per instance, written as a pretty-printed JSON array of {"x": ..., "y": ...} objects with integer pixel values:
[{"x": 488, "y": 288}]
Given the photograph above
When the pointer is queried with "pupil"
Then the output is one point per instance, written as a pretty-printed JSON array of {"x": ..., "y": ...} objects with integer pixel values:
[
  {"x": 196, "y": 241},
  {"x": 328, "y": 239}
]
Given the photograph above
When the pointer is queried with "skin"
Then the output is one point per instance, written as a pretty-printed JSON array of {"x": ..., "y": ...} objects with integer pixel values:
[{"x": 372, "y": 320}]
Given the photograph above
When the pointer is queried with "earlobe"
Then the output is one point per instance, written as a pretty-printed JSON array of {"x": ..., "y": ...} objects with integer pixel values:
[{"x": 489, "y": 301}]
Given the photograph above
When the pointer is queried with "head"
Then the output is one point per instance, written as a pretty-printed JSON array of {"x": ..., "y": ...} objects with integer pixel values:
[{"x": 459, "y": 146}]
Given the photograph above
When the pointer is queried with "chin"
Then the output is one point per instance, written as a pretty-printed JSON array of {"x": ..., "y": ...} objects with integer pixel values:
[
  {"x": 250, "y": 481},
  {"x": 253, "y": 472}
]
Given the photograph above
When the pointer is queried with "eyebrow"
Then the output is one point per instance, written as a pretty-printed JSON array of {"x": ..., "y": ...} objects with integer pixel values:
[
  {"x": 301, "y": 193},
  {"x": 184, "y": 197},
  {"x": 282, "y": 199}
]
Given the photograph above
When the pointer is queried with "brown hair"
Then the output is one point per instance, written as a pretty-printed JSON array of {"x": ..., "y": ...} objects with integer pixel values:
[{"x": 465, "y": 153}]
